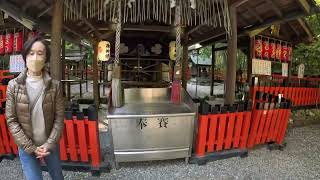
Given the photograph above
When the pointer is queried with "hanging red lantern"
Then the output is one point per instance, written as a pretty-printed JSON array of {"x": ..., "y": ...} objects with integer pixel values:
[
  {"x": 258, "y": 48},
  {"x": 272, "y": 50},
  {"x": 284, "y": 53},
  {"x": 9, "y": 43},
  {"x": 2, "y": 43},
  {"x": 18, "y": 41},
  {"x": 265, "y": 49},
  {"x": 278, "y": 51},
  {"x": 289, "y": 53}
]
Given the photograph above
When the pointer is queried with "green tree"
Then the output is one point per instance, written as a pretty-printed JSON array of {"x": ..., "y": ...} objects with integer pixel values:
[{"x": 309, "y": 54}]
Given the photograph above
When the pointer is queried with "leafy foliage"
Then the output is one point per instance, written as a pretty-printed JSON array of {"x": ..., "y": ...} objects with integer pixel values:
[{"x": 309, "y": 54}]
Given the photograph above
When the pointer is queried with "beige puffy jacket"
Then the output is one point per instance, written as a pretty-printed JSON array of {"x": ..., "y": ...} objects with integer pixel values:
[{"x": 19, "y": 117}]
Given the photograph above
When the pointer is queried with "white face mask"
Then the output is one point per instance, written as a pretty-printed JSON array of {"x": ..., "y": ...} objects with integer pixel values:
[{"x": 35, "y": 59}]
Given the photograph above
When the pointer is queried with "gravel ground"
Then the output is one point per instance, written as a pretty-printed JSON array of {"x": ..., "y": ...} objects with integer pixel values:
[{"x": 299, "y": 160}]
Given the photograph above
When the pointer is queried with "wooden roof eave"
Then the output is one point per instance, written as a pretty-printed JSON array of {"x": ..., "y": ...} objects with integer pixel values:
[{"x": 31, "y": 23}]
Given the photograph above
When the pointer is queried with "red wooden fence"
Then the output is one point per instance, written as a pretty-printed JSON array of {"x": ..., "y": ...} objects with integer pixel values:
[{"x": 222, "y": 129}]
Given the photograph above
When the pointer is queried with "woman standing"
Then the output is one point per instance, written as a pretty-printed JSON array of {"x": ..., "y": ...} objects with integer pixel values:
[{"x": 35, "y": 111}]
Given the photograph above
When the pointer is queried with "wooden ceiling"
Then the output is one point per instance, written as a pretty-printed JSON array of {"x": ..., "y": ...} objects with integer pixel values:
[{"x": 251, "y": 15}]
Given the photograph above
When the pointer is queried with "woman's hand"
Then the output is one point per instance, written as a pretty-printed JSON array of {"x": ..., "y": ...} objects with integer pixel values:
[{"x": 41, "y": 152}]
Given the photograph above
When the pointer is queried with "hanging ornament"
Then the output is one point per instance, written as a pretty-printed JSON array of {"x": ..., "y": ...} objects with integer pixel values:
[
  {"x": 258, "y": 48},
  {"x": 103, "y": 51},
  {"x": 265, "y": 49},
  {"x": 272, "y": 50},
  {"x": 172, "y": 50},
  {"x": 284, "y": 53},
  {"x": 289, "y": 52},
  {"x": 278, "y": 51}
]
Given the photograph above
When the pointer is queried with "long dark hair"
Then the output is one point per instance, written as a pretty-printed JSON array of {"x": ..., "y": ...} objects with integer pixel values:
[{"x": 28, "y": 45}]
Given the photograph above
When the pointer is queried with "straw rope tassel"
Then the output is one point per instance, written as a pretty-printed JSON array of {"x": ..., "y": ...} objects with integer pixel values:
[
  {"x": 116, "y": 86},
  {"x": 176, "y": 84}
]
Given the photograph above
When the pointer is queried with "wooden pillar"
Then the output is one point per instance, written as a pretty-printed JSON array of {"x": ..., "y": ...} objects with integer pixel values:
[
  {"x": 56, "y": 28},
  {"x": 63, "y": 63},
  {"x": 213, "y": 63},
  {"x": 63, "y": 56},
  {"x": 230, "y": 82},
  {"x": 184, "y": 65},
  {"x": 249, "y": 61},
  {"x": 95, "y": 75}
]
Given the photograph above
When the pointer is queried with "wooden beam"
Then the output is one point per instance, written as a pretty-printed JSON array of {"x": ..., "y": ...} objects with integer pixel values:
[
  {"x": 107, "y": 35},
  {"x": 257, "y": 31},
  {"x": 275, "y": 7},
  {"x": 25, "y": 7},
  {"x": 254, "y": 14},
  {"x": 74, "y": 32},
  {"x": 305, "y": 6},
  {"x": 244, "y": 19},
  {"x": 306, "y": 29},
  {"x": 44, "y": 11},
  {"x": 294, "y": 29},
  {"x": 57, "y": 20},
  {"x": 96, "y": 95},
  {"x": 95, "y": 30},
  {"x": 238, "y": 3},
  {"x": 287, "y": 17},
  {"x": 86, "y": 21},
  {"x": 194, "y": 29},
  {"x": 231, "y": 58},
  {"x": 30, "y": 22},
  {"x": 132, "y": 27},
  {"x": 207, "y": 37}
]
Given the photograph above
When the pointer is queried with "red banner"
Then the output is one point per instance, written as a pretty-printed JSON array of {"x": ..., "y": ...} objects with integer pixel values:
[
  {"x": 2, "y": 43},
  {"x": 9, "y": 43},
  {"x": 18, "y": 41}
]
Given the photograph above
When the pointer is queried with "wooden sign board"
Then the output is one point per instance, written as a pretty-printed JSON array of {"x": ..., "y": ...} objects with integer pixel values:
[
  {"x": 261, "y": 67},
  {"x": 285, "y": 69},
  {"x": 301, "y": 68},
  {"x": 16, "y": 63}
]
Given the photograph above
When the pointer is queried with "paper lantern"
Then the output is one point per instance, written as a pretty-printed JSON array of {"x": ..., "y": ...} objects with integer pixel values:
[
  {"x": 103, "y": 51},
  {"x": 258, "y": 48},
  {"x": 18, "y": 41},
  {"x": 172, "y": 50},
  {"x": 2, "y": 43},
  {"x": 265, "y": 49},
  {"x": 278, "y": 51},
  {"x": 272, "y": 50},
  {"x": 9, "y": 43},
  {"x": 284, "y": 53}
]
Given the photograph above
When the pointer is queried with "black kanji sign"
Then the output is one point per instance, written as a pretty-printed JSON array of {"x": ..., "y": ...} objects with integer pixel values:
[
  {"x": 142, "y": 123},
  {"x": 163, "y": 122}
]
